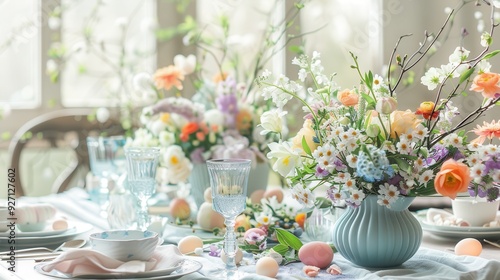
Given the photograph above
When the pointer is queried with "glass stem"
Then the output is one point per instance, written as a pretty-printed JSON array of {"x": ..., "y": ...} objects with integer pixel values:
[
  {"x": 230, "y": 246},
  {"x": 142, "y": 215}
]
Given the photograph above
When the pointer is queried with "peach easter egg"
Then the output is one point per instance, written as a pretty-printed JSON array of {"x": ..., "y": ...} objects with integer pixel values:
[
  {"x": 179, "y": 208},
  {"x": 316, "y": 253},
  {"x": 189, "y": 243},
  {"x": 274, "y": 192},
  {"x": 267, "y": 266},
  {"x": 60, "y": 224},
  {"x": 468, "y": 247},
  {"x": 237, "y": 258},
  {"x": 207, "y": 218}
]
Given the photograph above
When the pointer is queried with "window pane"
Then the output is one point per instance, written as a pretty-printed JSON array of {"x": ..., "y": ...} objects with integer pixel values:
[
  {"x": 19, "y": 62},
  {"x": 346, "y": 26},
  {"x": 106, "y": 43}
]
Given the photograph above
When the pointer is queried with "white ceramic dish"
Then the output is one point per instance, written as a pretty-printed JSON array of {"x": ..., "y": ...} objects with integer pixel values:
[
  {"x": 47, "y": 240},
  {"x": 457, "y": 232},
  {"x": 187, "y": 267},
  {"x": 48, "y": 231},
  {"x": 125, "y": 245}
]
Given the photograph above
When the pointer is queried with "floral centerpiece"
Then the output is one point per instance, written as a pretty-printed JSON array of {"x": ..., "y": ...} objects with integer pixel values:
[
  {"x": 359, "y": 146},
  {"x": 217, "y": 113},
  {"x": 358, "y": 142}
]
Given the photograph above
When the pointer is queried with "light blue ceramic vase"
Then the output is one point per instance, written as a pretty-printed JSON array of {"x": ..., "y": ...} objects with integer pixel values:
[{"x": 375, "y": 236}]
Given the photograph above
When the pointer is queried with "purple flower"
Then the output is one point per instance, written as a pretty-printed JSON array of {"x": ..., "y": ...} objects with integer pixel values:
[
  {"x": 321, "y": 173},
  {"x": 492, "y": 163},
  {"x": 214, "y": 251},
  {"x": 181, "y": 106},
  {"x": 438, "y": 153}
]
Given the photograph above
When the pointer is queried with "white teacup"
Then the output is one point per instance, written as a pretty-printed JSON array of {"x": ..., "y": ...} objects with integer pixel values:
[{"x": 475, "y": 210}]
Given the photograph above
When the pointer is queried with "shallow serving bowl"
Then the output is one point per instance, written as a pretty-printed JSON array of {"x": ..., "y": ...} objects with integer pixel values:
[{"x": 125, "y": 245}]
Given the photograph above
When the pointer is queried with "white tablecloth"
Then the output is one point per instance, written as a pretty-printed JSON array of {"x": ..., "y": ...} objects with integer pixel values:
[{"x": 434, "y": 260}]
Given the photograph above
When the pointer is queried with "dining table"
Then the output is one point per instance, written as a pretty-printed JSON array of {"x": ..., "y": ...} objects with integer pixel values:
[{"x": 435, "y": 258}]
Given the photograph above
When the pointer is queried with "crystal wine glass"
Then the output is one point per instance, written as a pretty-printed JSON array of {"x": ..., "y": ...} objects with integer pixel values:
[
  {"x": 107, "y": 162},
  {"x": 228, "y": 179},
  {"x": 141, "y": 171}
]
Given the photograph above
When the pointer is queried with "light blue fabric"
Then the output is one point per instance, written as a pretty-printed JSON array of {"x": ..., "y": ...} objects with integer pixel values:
[{"x": 425, "y": 264}]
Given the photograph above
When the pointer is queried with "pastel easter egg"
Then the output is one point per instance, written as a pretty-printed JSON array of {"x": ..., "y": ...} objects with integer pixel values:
[
  {"x": 60, "y": 224},
  {"x": 208, "y": 219},
  {"x": 267, "y": 266},
  {"x": 179, "y": 208},
  {"x": 468, "y": 247},
  {"x": 316, "y": 253},
  {"x": 237, "y": 257},
  {"x": 275, "y": 192},
  {"x": 189, "y": 243}
]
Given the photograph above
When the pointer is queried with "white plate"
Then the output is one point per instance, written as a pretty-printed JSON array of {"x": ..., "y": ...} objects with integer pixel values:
[
  {"x": 457, "y": 232},
  {"x": 47, "y": 240},
  {"x": 48, "y": 231},
  {"x": 187, "y": 267}
]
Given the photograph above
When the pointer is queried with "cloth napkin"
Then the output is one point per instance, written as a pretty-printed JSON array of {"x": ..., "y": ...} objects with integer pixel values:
[{"x": 86, "y": 261}]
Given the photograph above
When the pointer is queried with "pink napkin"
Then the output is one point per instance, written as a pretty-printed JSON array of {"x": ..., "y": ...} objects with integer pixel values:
[{"x": 86, "y": 261}]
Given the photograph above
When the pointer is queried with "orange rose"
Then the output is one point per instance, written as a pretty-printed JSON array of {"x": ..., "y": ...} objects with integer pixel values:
[
  {"x": 219, "y": 77},
  {"x": 402, "y": 121},
  {"x": 426, "y": 109},
  {"x": 486, "y": 84},
  {"x": 244, "y": 121},
  {"x": 348, "y": 97},
  {"x": 187, "y": 130},
  {"x": 453, "y": 178},
  {"x": 307, "y": 132},
  {"x": 168, "y": 77}
]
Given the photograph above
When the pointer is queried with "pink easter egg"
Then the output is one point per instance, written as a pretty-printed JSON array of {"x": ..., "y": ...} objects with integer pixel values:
[{"x": 316, "y": 253}]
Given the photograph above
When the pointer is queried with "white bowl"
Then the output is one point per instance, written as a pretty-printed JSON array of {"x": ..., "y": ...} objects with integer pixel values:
[
  {"x": 477, "y": 211},
  {"x": 125, "y": 245},
  {"x": 31, "y": 227}
]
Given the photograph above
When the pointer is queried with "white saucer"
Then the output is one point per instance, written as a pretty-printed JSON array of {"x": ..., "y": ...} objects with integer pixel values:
[
  {"x": 45, "y": 240},
  {"x": 455, "y": 231},
  {"x": 187, "y": 267},
  {"x": 48, "y": 231}
]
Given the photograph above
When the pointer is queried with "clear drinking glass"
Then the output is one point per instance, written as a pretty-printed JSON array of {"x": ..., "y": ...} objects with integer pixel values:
[
  {"x": 107, "y": 162},
  {"x": 229, "y": 179},
  {"x": 141, "y": 171}
]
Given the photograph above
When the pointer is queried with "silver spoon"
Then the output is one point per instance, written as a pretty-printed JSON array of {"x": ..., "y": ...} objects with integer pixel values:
[
  {"x": 492, "y": 243},
  {"x": 71, "y": 244}
]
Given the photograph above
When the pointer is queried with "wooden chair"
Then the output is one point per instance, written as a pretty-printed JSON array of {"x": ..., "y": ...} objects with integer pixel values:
[{"x": 51, "y": 130}]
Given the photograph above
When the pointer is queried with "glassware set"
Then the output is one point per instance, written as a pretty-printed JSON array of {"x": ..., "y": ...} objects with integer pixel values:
[
  {"x": 228, "y": 180},
  {"x": 126, "y": 174}
]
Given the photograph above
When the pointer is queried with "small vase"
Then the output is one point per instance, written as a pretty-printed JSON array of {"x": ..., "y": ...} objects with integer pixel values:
[
  {"x": 200, "y": 181},
  {"x": 376, "y": 236}
]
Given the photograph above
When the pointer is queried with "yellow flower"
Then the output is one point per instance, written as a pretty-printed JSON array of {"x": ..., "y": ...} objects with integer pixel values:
[
  {"x": 308, "y": 132},
  {"x": 402, "y": 121}
]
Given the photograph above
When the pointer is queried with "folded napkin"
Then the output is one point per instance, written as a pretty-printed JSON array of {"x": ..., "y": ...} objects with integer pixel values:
[{"x": 86, "y": 261}]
